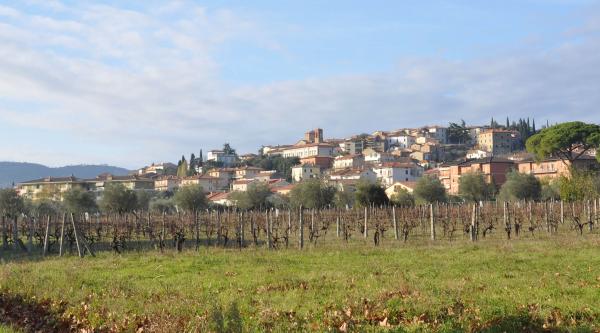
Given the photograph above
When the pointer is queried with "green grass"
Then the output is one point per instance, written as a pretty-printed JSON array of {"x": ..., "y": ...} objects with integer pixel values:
[{"x": 495, "y": 286}]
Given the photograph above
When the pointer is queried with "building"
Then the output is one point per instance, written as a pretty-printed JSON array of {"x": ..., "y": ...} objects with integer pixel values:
[
  {"x": 246, "y": 172},
  {"x": 159, "y": 169},
  {"x": 305, "y": 171},
  {"x": 225, "y": 176},
  {"x": 349, "y": 162},
  {"x": 220, "y": 198},
  {"x": 241, "y": 185},
  {"x": 352, "y": 147},
  {"x": 393, "y": 172},
  {"x": 398, "y": 186},
  {"x": 131, "y": 182},
  {"x": 402, "y": 141},
  {"x": 494, "y": 170},
  {"x": 51, "y": 188},
  {"x": 209, "y": 183},
  {"x": 284, "y": 190},
  {"x": 439, "y": 133},
  {"x": 364, "y": 174},
  {"x": 552, "y": 168},
  {"x": 166, "y": 183},
  {"x": 314, "y": 136},
  {"x": 373, "y": 156},
  {"x": 54, "y": 188},
  {"x": 474, "y": 154},
  {"x": 497, "y": 141},
  {"x": 309, "y": 150},
  {"x": 219, "y": 156}
]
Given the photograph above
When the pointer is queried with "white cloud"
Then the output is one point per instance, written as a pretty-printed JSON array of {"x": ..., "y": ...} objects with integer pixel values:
[{"x": 144, "y": 85}]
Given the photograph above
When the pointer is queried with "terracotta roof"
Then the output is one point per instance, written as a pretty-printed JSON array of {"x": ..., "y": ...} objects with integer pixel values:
[
  {"x": 218, "y": 196},
  {"x": 348, "y": 157},
  {"x": 109, "y": 177},
  {"x": 243, "y": 181},
  {"x": 53, "y": 180},
  {"x": 397, "y": 165}
]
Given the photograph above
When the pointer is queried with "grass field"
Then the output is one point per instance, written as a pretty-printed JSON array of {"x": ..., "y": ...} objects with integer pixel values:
[{"x": 496, "y": 286}]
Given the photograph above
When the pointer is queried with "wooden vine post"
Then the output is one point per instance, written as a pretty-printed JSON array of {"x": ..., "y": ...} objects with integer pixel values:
[
  {"x": 432, "y": 222},
  {"x": 301, "y": 228},
  {"x": 395, "y": 221}
]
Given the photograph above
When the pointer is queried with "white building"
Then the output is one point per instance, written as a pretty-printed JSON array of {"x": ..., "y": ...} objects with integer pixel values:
[
  {"x": 349, "y": 161},
  {"x": 365, "y": 174},
  {"x": 309, "y": 150},
  {"x": 438, "y": 132},
  {"x": 400, "y": 141},
  {"x": 390, "y": 173},
  {"x": 373, "y": 157},
  {"x": 475, "y": 154},
  {"x": 305, "y": 171},
  {"x": 220, "y": 156}
]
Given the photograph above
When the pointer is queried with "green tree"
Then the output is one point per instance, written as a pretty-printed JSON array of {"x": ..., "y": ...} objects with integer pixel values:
[
  {"x": 520, "y": 186},
  {"x": 344, "y": 198},
  {"x": 567, "y": 141},
  {"x": 283, "y": 165},
  {"x": 11, "y": 206},
  {"x": 550, "y": 190},
  {"x": 580, "y": 185},
  {"x": 368, "y": 194},
  {"x": 191, "y": 198},
  {"x": 312, "y": 193},
  {"x": 255, "y": 197},
  {"x": 458, "y": 133},
  {"x": 403, "y": 198},
  {"x": 430, "y": 189},
  {"x": 162, "y": 205},
  {"x": 182, "y": 168},
  {"x": 46, "y": 207},
  {"x": 228, "y": 150},
  {"x": 116, "y": 198},
  {"x": 473, "y": 187},
  {"x": 77, "y": 201},
  {"x": 142, "y": 199}
]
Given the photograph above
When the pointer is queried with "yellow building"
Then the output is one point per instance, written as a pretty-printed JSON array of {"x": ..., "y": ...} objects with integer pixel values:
[
  {"x": 51, "y": 188},
  {"x": 497, "y": 141}
]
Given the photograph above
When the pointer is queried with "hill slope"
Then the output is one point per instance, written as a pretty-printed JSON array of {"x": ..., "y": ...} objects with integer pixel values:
[{"x": 17, "y": 171}]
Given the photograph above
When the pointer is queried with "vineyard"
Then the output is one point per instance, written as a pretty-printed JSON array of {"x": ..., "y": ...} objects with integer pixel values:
[
  {"x": 85, "y": 234},
  {"x": 492, "y": 267}
]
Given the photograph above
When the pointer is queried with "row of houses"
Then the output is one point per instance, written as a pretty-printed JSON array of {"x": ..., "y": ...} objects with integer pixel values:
[{"x": 496, "y": 169}]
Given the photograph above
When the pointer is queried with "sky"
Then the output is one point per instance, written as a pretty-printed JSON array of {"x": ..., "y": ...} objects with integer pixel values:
[{"x": 136, "y": 82}]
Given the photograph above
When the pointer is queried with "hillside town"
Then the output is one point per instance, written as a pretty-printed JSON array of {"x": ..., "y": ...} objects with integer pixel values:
[{"x": 395, "y": 160}]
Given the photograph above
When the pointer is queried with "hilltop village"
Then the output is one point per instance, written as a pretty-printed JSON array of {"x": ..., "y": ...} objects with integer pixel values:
[{"x": 395, "y": 160}]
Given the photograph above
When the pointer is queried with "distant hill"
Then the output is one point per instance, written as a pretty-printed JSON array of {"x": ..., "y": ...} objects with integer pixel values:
[{"x": 18, "y": 172}]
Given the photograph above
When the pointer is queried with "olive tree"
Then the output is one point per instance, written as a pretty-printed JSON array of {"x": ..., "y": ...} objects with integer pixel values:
[
  {"x": 11, "y": 206},
  {"x": 78, "y": 201},
  {"x": 520, "y": 186},
  {"x": 191, "y": 198},
  {"x": 116, "y": 198},
  {"x": 473, "y": 187},
  {"x": 312, "y": 193},
  {"x": 368, "y": 194},
  {"x": 430, "y": 189}
]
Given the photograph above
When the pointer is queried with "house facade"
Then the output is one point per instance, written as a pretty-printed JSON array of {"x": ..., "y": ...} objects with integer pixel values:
[
  {"x": 305, "y": 171},
  {"x": 208, "y": 183},
  {"x": 497, "y": 141},
  {"x": 393, "y": 172},
  {"x": 349, "y": 161},
  {"x": 553, "y": 168},
  {"x": 494, "y": 170}
]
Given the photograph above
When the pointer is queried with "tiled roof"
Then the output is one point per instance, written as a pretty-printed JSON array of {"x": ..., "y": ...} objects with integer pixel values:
[{"x": 53, "y": 180}]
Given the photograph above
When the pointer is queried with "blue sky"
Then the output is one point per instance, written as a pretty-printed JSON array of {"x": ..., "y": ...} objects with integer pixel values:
[{"x": 140, "y": 82}]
